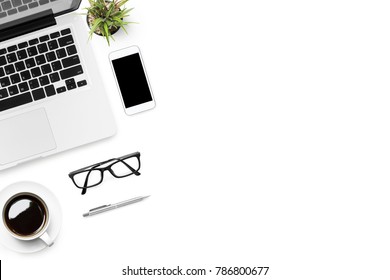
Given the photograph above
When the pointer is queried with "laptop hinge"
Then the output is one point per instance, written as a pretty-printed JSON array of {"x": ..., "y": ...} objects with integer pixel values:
[{"x": 27, "y": 25}]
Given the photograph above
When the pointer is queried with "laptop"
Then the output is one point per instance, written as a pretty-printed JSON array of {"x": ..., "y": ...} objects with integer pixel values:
[{"x": 51, "y": 94}]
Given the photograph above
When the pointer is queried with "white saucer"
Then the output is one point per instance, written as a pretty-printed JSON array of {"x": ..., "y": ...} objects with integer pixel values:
[{"x": 55, "y": 217}]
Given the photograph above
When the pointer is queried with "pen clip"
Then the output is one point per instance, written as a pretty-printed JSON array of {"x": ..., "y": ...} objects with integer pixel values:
[{"x": 100, "y": 207}]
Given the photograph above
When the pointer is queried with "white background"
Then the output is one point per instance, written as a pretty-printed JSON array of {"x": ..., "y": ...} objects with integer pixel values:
[{"x": 269, "y": 146}]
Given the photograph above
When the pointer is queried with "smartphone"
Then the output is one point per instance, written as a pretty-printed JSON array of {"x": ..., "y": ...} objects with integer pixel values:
[{"x": 132, "y": 80}]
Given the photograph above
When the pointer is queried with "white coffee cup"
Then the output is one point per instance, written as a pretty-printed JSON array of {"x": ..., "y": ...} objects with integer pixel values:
[{"x": 26, "y": 217}]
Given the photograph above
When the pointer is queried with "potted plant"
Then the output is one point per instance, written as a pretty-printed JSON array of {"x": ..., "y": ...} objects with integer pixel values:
[{"x": 105, "y": 17}]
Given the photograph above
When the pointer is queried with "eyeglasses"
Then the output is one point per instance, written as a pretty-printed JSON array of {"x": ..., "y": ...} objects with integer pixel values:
[{"x": 93, "y": 175}]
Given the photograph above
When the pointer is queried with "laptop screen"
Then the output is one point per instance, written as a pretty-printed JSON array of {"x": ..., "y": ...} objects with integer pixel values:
[{"x": 14, "y": 10}]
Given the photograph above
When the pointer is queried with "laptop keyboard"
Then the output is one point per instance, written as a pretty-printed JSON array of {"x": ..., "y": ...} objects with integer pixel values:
[
  {"x": 11, "y": 7},
  {"x": 39, "y": 68}
]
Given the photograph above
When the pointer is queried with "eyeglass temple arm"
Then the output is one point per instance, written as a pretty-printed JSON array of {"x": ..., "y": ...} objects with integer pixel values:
[
  {"x": 91, "y": 166},
  {"x": 130, "y": 155},
  {"x": 84, "y": 191},
  {"x": 131, "y": 168}
]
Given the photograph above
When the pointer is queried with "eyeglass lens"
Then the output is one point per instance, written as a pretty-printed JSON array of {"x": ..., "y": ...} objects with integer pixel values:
[
  {"x": 93, "y": 177},
  {"x": 120, "y": 169}
]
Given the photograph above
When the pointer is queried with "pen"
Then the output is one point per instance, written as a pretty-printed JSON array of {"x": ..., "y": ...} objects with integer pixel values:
[{"x": 109, "y": 207}]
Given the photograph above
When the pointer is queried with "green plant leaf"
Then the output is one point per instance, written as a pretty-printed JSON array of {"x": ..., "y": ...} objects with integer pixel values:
[
  {"x": 107, "y": 15},
  {"x": 105, "y": 26},
  {"x": 121, "y": 3},
  {"x": 95, "y": 26},
  {"x": 110, "y": 10}
]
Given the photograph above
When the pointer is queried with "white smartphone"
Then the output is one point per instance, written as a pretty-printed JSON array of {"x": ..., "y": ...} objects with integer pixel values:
[{"x": 131, "y": 79}]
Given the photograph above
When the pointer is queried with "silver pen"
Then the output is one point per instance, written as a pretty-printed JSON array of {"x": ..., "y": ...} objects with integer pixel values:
[{"x": 109, "y": 207}]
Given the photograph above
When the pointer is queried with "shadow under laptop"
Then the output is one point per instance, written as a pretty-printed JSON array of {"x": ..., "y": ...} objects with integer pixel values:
[{"x": 64, "y": 160}]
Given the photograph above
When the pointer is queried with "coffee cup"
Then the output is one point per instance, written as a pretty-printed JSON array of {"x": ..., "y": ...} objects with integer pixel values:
[{"x": 26, "y": 217}]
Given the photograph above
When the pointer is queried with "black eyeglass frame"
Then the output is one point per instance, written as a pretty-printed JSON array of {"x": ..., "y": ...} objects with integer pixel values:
[{"x": 95, "y": 166}]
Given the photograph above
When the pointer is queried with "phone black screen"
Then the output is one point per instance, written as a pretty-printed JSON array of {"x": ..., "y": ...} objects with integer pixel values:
[{"x": 132, "y": 80}]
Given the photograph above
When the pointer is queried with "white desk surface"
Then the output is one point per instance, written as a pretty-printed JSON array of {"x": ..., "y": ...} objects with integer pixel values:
[{"x": 269, "y": 146}]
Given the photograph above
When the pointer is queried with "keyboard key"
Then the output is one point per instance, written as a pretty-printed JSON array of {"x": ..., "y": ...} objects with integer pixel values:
[
  {"x": 22, "y": 45},
  {"x": 23, "y": 87},
  {"x": 5, "y": 82},
  {"x": 25, "y": 75},
  {"x": 15, "y": 78},
  {"x": 46, "y": 69},
  {"x": 19, "y": 66},
  {"x": 23, "y": 8},
  {"x": 52, "y": 45},
  {"x": 12, "y": 90},
  {"x": 50, "y": 91},
  {"x": 3, "y": 93},
  {"x": 61, "y": 89},
  {"x": 33, "y": 5},
  {"x": 11, "y": 57},
  {"x": 32, "y": 51},
  {"x": 65, "y": 31},
  {"x": 54, "y": 77},
  {"x": 70, "y": 81},
  {"x": 30, "y": 62},
  {"x": 3, "y": 14},
  {"x": 64, "y": 41},
  {"x": 70, "y": 61},
  {"x": 12, "y": 48},
  {"x": 6, "y": 5},
  {"x": 33, "y": 83},
  {"x": 38, "y": 94},
  {"x": 51, "y": 56},
  {"x": 15, "y": 101},
  {"x": 54, "y": 35},
  {"x": 71, "y": 49},
  {"x": 44, "y": 80},
  {"x": 42, "y": 48},
  {"x": 56, "y": 65},
  {"x": 71, "y": 72},
  {"x": 44, "y": 38},
  {"x": 33, "y": 42},
  {"x": 40, "y": 59},
  {"x": 22, "y": 54},
  {"x": 12, "y": 12},
  {"x": 3, "y": 61},
  {"x": 43, "y": 2},
  {"x": 16, "y": 3},
  {"x": 82, "y": 83},
  {"x": 61, "y": 53},
  {"x": 9, "y": 69},
  {"x": 50, "y": 59},
  {"x": 71, "y": 86},
  {"x": 36, "y": 72},
  {"x": 26, "y": 1}
]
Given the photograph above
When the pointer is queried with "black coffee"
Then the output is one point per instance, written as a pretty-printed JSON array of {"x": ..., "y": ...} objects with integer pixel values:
[{"x": 25, "y": 215}]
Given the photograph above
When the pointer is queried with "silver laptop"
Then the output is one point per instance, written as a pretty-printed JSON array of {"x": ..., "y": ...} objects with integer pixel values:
[{"x": 51, "y": 94}]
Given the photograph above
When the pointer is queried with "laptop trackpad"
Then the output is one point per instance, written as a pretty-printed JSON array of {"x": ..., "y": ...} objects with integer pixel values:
[{"x": 25, "y": 135}]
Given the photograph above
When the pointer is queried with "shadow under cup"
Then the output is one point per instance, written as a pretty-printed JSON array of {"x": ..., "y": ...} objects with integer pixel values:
[{"x": 26, "y": 217}]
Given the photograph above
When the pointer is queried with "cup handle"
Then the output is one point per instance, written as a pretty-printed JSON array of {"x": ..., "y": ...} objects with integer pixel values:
[{"x": 47, "y": 239}]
